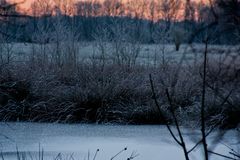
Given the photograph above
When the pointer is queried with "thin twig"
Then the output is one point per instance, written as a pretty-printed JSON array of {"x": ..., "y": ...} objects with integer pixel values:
[
  {"x": 119, "y": 153},
  {"x": 234, "y": 154},
  {"x": 160, "y": 112},
  {"x": 221, "y": 155},
  {"x": 177, "y": 126},
  {"x": 199, "y": 142},
  {"x": 133, "y": 155},
  {"x": 94, "y": 158},
  {"x": 203, "y": 128},
  {"x": 181, "y": 142},
  {"x": 2, "y": 157}
]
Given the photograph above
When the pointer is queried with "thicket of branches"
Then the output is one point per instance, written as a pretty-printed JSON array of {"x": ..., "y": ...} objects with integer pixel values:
[{"x": 146, "y": 22}]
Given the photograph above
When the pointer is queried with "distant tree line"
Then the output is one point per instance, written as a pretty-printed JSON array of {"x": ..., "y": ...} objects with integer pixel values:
[{"x": 146, "y": 22}]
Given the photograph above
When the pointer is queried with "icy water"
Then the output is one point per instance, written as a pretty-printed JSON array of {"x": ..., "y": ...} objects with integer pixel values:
[{"x": 76, "y": 142}]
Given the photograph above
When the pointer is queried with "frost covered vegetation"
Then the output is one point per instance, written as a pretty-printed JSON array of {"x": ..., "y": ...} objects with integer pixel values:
[
  {"x": 116, "y": 88},
  {"x": 124, "y": 69},
  {"x": 46, "y": 77}
]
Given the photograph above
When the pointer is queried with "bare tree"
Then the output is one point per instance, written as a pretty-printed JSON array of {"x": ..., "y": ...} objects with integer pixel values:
[
  {"x": 178, "y": 37},
  {"x": 229, "y": 16},
  {"x": 102, "y": 37},
  {"x": 8, "y": 30},
  {"x": 189, "y": 14},
  {"x": 8, "y": 15},
  {"x": 170, "y": 10},
  {"x": 153, "y": 14},
  {"x": 205, "y": 130},
  {"x": 66, "y": 7},
  {"x": 42, "y": 12}
]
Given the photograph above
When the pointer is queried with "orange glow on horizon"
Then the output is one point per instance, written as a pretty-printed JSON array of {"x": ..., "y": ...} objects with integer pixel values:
[
  {"x": 25, "y": 7},
  {"x": 24, "y": 4}
]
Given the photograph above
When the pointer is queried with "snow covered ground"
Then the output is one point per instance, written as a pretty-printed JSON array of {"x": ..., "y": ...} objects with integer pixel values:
[
  {"x": 151, "y": 142},
  {"x": 149, "y": 53}
]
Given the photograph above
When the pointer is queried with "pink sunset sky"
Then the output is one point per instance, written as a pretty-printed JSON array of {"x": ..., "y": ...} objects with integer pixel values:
[{"x": 27, "y": 3}]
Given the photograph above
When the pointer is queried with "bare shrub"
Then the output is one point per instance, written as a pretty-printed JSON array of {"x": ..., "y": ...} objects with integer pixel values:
[
  {"x": 89, "y": 92},
  {"x": 178, "y": 37}
]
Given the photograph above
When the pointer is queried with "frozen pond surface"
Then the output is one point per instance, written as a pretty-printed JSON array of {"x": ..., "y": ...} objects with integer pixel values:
[{"x": 150, "y": 142}]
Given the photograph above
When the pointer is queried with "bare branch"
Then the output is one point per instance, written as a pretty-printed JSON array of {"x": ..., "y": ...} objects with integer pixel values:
[
  {"x": 160, "y": 112},
  {"x": 221, "y": 155}
]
